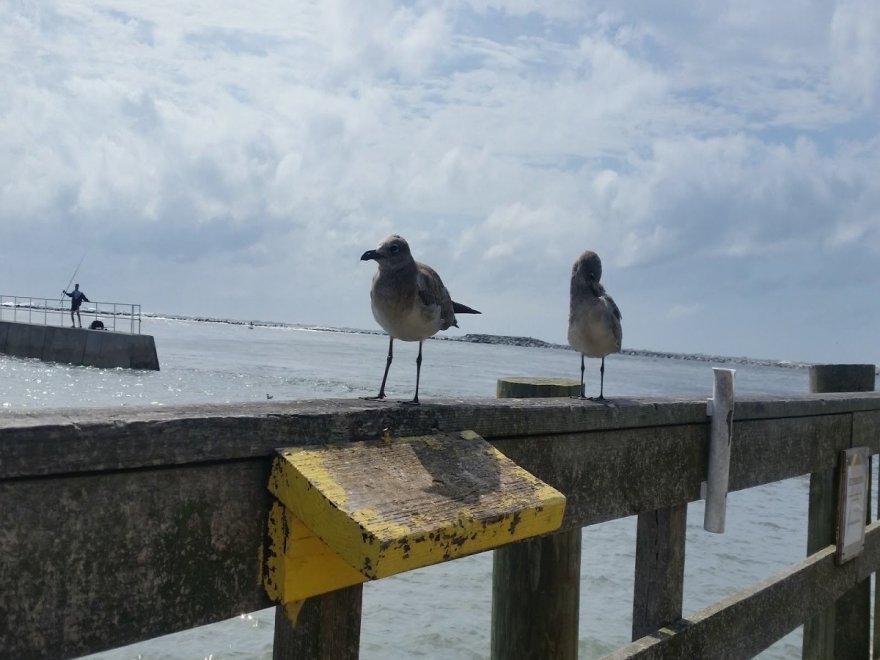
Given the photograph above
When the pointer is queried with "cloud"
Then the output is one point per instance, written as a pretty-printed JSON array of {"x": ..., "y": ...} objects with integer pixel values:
[
  {"x": 256, "y": 151},
  {"x": 855, "y": 50}
]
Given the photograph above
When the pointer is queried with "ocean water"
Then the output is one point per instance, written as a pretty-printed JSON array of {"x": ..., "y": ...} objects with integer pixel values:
[{"x": 442, "y": 611}]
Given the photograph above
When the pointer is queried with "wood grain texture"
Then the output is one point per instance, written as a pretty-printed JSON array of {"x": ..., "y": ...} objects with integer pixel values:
[
  {"x": 843, "y": 629},
  {"x": 390, "y": 506},
  {"x": 92, "y": 562},
  {"x": 34, "y": 443},
  {"x": 659, "y": 577},
  {"x": 327, "y": 627},
  {"x": 746, "y": 623},
  {"x": 119, "y": 525},
  {"x": 536, "y": 598}
]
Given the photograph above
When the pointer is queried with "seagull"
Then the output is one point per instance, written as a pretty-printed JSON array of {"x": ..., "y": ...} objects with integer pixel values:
[
  {"x": 409, "y": 301},
  {"x": 594, "y": 319}
]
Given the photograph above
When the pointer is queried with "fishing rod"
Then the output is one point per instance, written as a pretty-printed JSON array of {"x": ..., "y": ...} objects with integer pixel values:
[{"x": 75, "y": 272}]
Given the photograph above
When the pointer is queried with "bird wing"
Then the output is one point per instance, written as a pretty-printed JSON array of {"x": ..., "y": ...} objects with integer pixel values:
[
  {"x": 615, "y": 327},
  {"x": 432, "y": 292},
  {"x": 614, "y": 308},
  {"x": 430, "y": 287}
]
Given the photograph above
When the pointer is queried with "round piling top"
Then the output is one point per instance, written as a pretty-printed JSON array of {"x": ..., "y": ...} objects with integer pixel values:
[
  {"x": 527, "y": 387},
  {"x": 842, "y": 378}
]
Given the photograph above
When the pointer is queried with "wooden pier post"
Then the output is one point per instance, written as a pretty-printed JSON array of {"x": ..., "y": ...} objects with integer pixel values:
[
  {"x": 536, "y": 583},
  {"x": 659, "y": 575},
  {"x": 326, "y": 627},
  {"x": 843, "y": 630}
]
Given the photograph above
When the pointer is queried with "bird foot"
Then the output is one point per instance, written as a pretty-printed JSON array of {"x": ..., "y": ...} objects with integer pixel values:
[
  {"x": 414, "y": 402},
  {"x": 378, "y": 397}
]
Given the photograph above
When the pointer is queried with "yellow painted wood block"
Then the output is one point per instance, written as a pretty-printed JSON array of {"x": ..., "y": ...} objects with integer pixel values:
[
  {"x": 299, "y": 565},
  {"x": 390, "y": 506}
]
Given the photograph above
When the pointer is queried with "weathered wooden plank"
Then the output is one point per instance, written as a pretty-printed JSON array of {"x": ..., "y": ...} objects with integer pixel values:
[
  {"x": 772, "y": 450},
  {"x": 659, "y": 577},
  {"x": 88, "y": 440},
  {"x": 818, "y": 640},
  {"x": 34, "y": 443},
  {"x": 536, "y": 598},
  {"x": 670, "y": 458},
  {"x": 843, "y": 629},
  {"x": 389, "y": 506},
  {"x": 746, "y": 623},
  {"x": 54, "y": 532},
  {"x": 804, "y": 405},
  {"x": 326, "y": 628},
  {"x": 98, "y": 561},
  {"x": 611, "y": 475},
  {"x": 536, "y": 584},
  {"x": 866, "y": 430},
  {"x": 607, "y": 475}
]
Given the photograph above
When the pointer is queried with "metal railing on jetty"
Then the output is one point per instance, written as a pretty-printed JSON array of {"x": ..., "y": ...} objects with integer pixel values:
[
  {"x": 120, "y": 525},
  {"x": 116, "y": 317}
]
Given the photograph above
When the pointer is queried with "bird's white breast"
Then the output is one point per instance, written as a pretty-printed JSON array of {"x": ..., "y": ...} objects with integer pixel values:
[{"x": 408, "y": 322}]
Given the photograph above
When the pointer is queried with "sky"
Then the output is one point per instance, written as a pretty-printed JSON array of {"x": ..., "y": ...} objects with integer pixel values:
[{"x": 235, "y": 159}]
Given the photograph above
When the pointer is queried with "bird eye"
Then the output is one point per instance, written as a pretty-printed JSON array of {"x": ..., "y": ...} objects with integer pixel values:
[{"x": 395, "y": 249}]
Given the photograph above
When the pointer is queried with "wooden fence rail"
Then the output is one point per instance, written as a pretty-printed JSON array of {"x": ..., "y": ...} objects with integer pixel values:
[{"x": 120, "y": 525}]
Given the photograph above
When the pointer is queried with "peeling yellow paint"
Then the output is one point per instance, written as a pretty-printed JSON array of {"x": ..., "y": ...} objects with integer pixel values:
[
  {"x": 373, "y": 509},
  {"x": 299, "y": 564},
  {"x": 292, "y": 609}
]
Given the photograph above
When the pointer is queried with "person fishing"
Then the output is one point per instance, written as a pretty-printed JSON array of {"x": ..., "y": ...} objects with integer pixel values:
[{"x": 76, "y": 299}]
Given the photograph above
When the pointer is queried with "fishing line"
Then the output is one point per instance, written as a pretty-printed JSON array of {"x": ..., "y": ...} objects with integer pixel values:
[{"x": 75, "y": 271}]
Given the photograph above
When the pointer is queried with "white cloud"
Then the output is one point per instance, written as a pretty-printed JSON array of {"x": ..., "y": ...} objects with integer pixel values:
[
  {"x": 855, "y": 50},
  {"x": 240, "y": 149}
]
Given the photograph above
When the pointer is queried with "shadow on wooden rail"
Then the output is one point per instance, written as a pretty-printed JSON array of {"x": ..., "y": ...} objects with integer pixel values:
[{"x": 122, "y": 525}]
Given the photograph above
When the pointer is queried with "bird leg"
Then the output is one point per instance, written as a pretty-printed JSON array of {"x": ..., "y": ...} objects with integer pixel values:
[
  {"x": 581, "y": 395},
  {"x": 415, "y": 400},
  {"x": 381, "y": 394},
  {"x": 601, "y": 396}
]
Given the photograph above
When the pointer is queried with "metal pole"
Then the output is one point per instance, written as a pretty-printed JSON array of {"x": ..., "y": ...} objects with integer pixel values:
[{"x": 720, "y": 407}]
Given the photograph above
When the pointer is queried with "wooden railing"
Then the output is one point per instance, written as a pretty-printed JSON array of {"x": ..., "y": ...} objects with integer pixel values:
[{"x": 120, "y": 525}]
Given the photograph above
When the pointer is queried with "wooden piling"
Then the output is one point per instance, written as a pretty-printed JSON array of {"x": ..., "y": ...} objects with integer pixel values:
[
  {"x": 659, "y": 575},
  {"x": 512, "y": 387},
  {"x": 325, "y": 627},
  {"x": 842, "y": 630},
  {"x": 536, "y": 583},
  {"x": 842, "y": 378}
]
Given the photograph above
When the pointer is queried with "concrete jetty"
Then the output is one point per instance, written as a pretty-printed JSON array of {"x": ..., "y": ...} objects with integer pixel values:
[{"x": 79, "y": 346}]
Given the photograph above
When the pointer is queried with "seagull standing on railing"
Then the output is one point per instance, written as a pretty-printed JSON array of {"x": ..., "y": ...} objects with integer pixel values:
[
  {"x": 594, "y": 318},
  {"x": 409, "y": 301}
]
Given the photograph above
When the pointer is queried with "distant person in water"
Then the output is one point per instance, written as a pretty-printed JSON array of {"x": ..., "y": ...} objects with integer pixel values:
[{"x": 76, "y": 299}]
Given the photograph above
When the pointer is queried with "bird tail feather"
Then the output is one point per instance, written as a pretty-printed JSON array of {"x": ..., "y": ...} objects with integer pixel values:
[{"x": 458, "y": 308}]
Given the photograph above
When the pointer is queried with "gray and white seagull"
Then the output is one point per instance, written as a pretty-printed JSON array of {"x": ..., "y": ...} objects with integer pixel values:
[
  {"x": 594, "y": 318},
  {"x": 409, "y": 300}
]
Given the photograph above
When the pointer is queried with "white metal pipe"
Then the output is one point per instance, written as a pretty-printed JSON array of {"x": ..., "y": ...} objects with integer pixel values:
[{"x": 720, "y": 408}]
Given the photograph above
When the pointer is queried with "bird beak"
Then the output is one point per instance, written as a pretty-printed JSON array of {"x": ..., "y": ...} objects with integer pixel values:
[{"x": 370, "y": 254}]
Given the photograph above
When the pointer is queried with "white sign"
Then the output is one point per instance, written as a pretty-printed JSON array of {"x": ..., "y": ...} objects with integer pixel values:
[{"x": 853, "y": 505}]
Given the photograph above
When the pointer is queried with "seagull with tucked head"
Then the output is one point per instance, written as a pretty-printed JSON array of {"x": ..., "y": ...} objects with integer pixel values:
[
  {"x": 409, "y": 301},
  {"x": 594, "y": 318}
]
